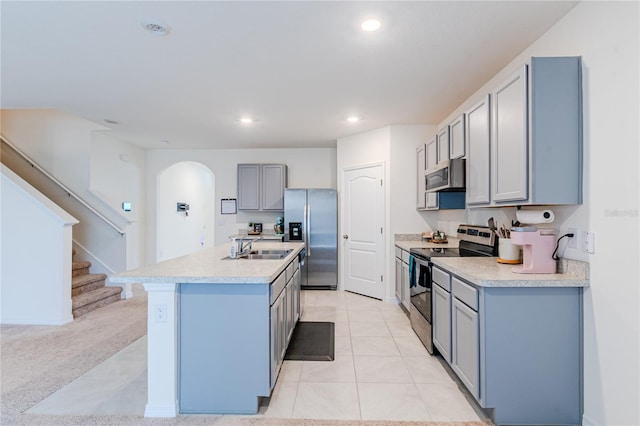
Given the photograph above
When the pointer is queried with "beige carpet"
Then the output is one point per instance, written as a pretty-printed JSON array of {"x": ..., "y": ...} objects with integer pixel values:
[{"x": 36, "y": 361}]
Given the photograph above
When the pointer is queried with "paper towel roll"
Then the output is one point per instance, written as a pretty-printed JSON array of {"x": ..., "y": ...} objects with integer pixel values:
[{"x": 535, "y": 216}]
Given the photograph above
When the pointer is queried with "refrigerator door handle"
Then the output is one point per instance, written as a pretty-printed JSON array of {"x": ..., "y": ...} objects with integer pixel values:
[{"x": 307, "y": 221}]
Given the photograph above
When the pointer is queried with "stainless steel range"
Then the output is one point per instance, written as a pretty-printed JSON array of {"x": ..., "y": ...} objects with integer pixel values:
[{"x": 474, "y": 241}]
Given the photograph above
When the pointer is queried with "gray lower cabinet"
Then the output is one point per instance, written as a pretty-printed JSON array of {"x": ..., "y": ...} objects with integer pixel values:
[
  {"x": 232, "y": 340},
  {"x": 518, "y": 350},
  {"x": 465, "y": 350},
  {"x": 402, "y": 290},
  {"x": 261, "y": 186},
  {"x": 441, "y": 312}
]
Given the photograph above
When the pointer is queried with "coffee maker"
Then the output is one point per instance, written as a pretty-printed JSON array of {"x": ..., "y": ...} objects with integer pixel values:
[{"x": 538, "y": 244}]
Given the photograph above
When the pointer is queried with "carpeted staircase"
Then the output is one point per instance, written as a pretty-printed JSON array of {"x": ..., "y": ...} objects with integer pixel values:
[{"x": 88, "y": 291}]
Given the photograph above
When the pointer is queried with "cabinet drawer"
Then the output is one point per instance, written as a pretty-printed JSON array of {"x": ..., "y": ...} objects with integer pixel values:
[
  {"x": 398, "y": 252},
  {"x": 465, "y": 293},
  {"x": 442, "y": 278},
  {"x": 276, "y": 287},
  {"x": 405, "y": 256},
  {"x": 289, "y": 271}
]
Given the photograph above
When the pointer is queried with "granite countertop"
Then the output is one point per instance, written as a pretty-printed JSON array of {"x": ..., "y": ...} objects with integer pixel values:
[
  {"x": 486, "y": 272},
  {"x": 409, "y": 244},
  {"x": 209, "y": 266}
]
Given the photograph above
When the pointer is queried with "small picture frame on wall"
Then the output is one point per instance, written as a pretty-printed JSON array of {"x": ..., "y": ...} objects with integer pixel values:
[{"x": 228, "y": 206}]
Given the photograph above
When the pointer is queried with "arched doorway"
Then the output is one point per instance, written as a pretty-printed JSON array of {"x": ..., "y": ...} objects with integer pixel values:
[{"x": 181, "y": 233}]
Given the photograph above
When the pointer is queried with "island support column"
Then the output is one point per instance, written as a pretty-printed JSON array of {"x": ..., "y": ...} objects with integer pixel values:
[{"x": 162, "y": 350}]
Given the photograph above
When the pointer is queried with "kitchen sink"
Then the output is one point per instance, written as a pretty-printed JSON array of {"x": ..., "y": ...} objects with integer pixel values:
[{"x": 264, "y": 254}]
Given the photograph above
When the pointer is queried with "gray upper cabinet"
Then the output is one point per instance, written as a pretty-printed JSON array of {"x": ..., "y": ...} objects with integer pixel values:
[
  {"x": 274, "y": 181},
  {"x": 421, "y": 165},
  {"x": 431, "y": 158},
  {"x": 443, "y": 144},
  {"x": 261, "y": 186},
  {"x": 536, "y": 134},
  {"x": 457, "y": 138},
  {"x": 509, "y": 139},
  {"x": 478, "y": 153},
  {"x": 248, "y": 186}
]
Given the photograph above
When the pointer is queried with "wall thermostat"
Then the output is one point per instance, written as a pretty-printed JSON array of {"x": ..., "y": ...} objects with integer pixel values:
[{"x": 126, "y": 206}]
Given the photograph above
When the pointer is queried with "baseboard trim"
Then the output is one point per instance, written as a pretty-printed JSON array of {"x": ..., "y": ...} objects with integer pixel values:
[
  {"x": 160, "y": 410},
  {"x": 37, "y": 321},
  {"x": 586, "y": 421}
]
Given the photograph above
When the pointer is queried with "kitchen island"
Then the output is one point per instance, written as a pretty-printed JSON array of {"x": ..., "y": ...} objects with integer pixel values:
[
  {"x": 514, "y": 340},
  {"x": 217, "y": 328}
]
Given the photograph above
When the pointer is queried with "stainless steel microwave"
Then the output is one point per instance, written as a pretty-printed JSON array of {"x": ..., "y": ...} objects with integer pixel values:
[{"x": 446, "y": 176}]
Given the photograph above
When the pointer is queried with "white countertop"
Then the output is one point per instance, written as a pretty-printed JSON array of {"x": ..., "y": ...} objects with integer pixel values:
[
  {"x": 486, "y": 272},
  {"x": 209, "y": 266},
  {"x": 409, "y": 244}
]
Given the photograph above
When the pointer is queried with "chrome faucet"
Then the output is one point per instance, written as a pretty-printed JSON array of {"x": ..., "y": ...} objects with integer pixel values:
[{"x": 244, "y": 245}]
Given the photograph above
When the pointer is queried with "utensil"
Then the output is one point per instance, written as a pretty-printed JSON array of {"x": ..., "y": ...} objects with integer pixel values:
[{"x": 492, "y": 226}]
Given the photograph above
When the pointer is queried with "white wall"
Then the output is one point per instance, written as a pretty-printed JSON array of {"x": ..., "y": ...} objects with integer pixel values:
[
  {"x": 308, "y": 168},
  {"x": 85, "y": 158},
  {"x": 606, "y": 35},
  {"x": 179, "y": 233},
  {"x": 394, "y": 146},
  {"x": 35, "y": 237},
  {"x": 118, "y": 174}
]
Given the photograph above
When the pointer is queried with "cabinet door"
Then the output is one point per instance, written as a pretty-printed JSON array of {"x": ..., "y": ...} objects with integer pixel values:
[
  {"x": 509, "y": 139},
  {"x": 290, "y": 311},
  {"x": 465, "y": 359},
  {"x": 399, "y": 280},
  {"x": 443, "y": 144},
  {"x": 432, "y": 200},
  {"x": 274, "y": 178},
  {"x": 431, "y": 158},
  {"x": 441, "y": 305},
  {"x": 479, "y": 153},
  {"x": 248, "y": 186},
  {"x": 276, "y": 339},
  {"x": 405, "y": 284},
  {"x": 296, "y": 297},
  {"x": 457, "y": 137},
  {"x": 421, "y": 164}
]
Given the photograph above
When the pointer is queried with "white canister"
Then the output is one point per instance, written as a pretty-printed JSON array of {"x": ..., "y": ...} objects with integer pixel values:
[{"x": 507, "y": 250}]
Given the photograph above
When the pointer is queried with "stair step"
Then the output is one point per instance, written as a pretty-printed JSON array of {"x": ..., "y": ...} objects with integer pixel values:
[
  {"x": 87, "y": 302},
  {"x": 80, "y": 268},
  {"x": 87, "y": 282}
]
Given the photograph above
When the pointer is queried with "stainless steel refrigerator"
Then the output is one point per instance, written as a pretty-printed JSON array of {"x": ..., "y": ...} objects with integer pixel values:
[{"x": 311, "y": 216}]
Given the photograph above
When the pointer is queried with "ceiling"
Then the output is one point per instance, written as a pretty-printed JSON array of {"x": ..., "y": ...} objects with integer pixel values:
[{"x": 298, "y": 68}]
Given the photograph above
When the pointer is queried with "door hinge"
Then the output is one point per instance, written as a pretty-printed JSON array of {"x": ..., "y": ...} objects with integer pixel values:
[
  {"x": 381, "y": 278},
  {"x": 380, "y": 182},
  {"x": 381, "y": 230}
]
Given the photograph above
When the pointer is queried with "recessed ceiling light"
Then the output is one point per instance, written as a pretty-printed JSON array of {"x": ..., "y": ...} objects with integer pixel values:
[
  {"x": 155, "y": 27},
  {"x": 353, "y": 119},
  {"x": 370, "y": 25},
  {"x": 109, "y": 121},
  {"x": 246, "y": 120}
]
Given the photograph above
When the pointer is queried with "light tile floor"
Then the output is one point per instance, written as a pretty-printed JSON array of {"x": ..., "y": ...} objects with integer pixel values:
[{"x": 381, "y": 371}]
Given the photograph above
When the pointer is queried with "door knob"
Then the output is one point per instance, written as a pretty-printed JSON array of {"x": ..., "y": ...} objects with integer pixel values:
[{"x": 345, "y": 236}]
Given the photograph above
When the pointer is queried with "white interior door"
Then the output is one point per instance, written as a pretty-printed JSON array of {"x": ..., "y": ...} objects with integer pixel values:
[{"x": 363, "y": 230}]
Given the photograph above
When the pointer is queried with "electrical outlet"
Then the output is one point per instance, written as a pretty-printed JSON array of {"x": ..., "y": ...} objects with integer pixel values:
[
  {"x": 573, "y": 241},
  {"x": 589, "y": 242},
  {"x": 161, "y": 313}
]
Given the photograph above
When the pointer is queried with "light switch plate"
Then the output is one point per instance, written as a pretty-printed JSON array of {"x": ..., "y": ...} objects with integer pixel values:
[{"x": 589, "y": 241}]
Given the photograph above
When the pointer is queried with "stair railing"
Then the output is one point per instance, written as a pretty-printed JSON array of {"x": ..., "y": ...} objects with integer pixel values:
[{"x": 69, "y": 192}]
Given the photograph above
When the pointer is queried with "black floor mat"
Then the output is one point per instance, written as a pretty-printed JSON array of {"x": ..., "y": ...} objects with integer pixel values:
[{"x": 312, "y": 341}]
